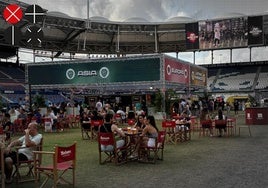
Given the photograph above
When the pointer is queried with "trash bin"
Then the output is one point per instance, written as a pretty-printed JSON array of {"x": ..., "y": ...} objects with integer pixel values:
[{"x": 256, "y": 116}]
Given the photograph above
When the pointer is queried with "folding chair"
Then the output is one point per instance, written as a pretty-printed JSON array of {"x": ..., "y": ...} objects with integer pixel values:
[
  {"x": 169, "y": 127},
  {"x": 95, "y": 124},
  {"x": 85, "y": 129},
  {"x": 194, "y": 123},
  {"x": 24, "y": 169},
  {"x": 118, "y": 118},
  {"x": 63, "y": 160},
  {"x": 131, "y": 122},
  {"x": 231, "y": 126},
  {"x": 107, "y": 146},
  {"x": 244, "y": 126},
  {"x": 206, "y": 127},
  {"x": 149, "y": 154},
  {"x": 161, "y": 144},
  {"x": 221, "y": 124}
]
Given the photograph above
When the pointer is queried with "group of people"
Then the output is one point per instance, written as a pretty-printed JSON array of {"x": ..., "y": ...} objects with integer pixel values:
[
  {"x": 206, "y": 121},
  {"x": 146, "y": 125}
]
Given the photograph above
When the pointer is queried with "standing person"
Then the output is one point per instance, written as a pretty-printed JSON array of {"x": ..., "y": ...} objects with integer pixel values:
[
  {"x": 30, "y": 139},
  {"x": 99, "y": 105},
  {"x": 220, "y": 116},
  {"x": 217, "y": 34},
  {"x": 236, "y": 106}
]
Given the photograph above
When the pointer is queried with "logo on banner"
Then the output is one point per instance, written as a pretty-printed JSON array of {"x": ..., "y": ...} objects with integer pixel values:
[
  {"x": 104, "y": 72},
  {"x": 70, "y": 74},
  {"x": 192, "y": 37},
  {"x": 255, "y": 31},
  {"x": 171, "y": 70}
]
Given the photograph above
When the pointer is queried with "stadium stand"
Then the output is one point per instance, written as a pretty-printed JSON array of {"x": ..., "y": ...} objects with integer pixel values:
[
  {"x": 262, "y": 79},
  {"x": 237, "y": 78}
]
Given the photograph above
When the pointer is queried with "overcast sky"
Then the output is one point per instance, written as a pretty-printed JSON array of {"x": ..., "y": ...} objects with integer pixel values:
[
  {"x": 154, "y": 10},
  {"x": 158, "y": 11}
]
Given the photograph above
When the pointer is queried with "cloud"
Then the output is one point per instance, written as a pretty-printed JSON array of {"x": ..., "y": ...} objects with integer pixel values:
[{"x": 156, "y": 10}]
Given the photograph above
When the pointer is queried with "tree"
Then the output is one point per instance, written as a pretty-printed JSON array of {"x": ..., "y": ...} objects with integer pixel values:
[{"x": 39, "y": 101}]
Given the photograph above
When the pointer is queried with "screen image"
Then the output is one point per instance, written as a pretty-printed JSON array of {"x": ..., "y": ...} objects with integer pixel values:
[{"x": 227, "y": 33}]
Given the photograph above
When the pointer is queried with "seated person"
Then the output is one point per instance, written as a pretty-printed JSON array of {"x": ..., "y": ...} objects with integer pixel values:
[
  {"x": 109, "y": 127},
  {"x": 85, "y": 121},
  {"x": 185, "y": 120},
  {"x": 150, "y": 132},
  {"x": 5, "y": 127},
  {"x": 140, "y": 125},
  {"x": 122, "y": 113},
  {"x": 30, "y": 139}
]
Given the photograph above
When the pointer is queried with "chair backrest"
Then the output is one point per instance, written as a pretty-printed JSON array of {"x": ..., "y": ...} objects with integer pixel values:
[
  {"x": 39, "y": 147},
  {"x": 131, "y": 122},
  {"x": 161, "y": 137},
  {"x": 168, "y": 124},
  {"x": 106, "y": 139},
  {"x": 206, "y": 122},
  {"x": 220, "y": 122},
  {"x": 117, "y": 116},
  {"x": 97, "y": 123},
  {"x": 66, "y": 154}
]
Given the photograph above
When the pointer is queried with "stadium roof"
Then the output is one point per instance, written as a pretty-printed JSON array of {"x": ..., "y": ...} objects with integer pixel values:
[{"x": 98, "y": 35}]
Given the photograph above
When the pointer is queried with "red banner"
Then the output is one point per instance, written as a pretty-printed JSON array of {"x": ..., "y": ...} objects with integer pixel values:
[{"x": 176, "y": 71}]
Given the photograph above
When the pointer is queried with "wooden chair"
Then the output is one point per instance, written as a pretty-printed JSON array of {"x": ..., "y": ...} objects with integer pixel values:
[
  {"x": 221, "y": 124},
  {"x": 149, "y": 154},
  {"x": 63, "y": 160},
  {"x": 205, "y": 127},
  {"x": 24, "y": 169},
  {"x": 169, "y": 127},
  {"x": 95, "y": 124},
  {"x": 131, "y": 122},
  {"x": 161, "y": 144},
  {"x": 118, "y": 118},
  {"x": 85, "y": 129},
  {"x": 107, "y": 146},
  {"x": 231, "y": 126},
  {"x": 194, "y": 124},
  {"x": 243, "y": 127}
]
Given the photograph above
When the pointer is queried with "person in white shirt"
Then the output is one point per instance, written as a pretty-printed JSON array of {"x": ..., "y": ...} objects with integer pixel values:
[
  {"x": 30, "y": 139},
  {"x": 98, "y": 105}
]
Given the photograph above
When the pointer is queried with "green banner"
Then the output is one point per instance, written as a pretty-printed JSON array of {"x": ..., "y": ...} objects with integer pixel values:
[{"x": 91, "y": 72}]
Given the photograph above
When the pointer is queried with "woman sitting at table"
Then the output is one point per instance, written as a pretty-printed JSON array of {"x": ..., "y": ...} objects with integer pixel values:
[
  {"x": 150, "y": 132},
  {"x": 109, "y": 127},
  {"x": 140, "y": 123}
]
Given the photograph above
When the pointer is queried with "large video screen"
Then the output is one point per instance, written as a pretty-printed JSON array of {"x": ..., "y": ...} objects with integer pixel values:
[{"x": 226, "y": 33}]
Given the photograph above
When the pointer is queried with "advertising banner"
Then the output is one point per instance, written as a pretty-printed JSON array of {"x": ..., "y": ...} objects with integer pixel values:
[
  {"x": 176, "y": 71},
  {"x": 94, "y": 72},
  {"x": 255, "y": 30},
  {"x": 192, "y": 41},
  {"x": 198, "y": 76}
]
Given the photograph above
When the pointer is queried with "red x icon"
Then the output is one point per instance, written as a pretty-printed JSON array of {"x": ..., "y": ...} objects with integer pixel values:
[{"x": 12, "y": 14}]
